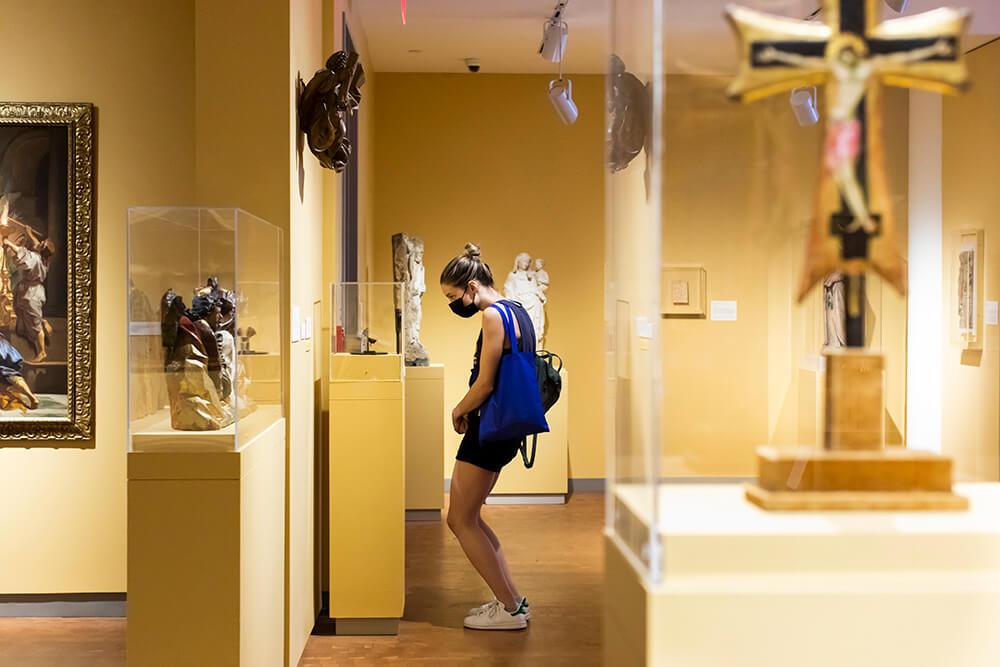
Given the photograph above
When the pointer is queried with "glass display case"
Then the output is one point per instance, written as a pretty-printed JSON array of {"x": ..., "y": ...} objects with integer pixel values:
[
  {"x": 368, "y": 318},
  {"x": 204, "y": 328},
  {"x": 718, "y": 344}
]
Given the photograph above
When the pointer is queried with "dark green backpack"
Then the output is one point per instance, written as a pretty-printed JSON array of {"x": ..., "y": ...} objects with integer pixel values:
[{"x": 549, "y": 386}]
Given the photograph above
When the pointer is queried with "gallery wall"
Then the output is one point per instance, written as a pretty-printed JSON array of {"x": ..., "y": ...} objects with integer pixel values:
[
  {"x": 62, "y": 526},
  {"x": 970, "y": 200},
  {"x": 484, "y": 158},
  {"x": 739, "y": 182},
  {"x": 173, "y": 129}
]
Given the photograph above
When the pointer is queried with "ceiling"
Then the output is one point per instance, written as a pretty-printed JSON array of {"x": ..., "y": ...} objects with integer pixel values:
[{"x": 505, "y": 34}]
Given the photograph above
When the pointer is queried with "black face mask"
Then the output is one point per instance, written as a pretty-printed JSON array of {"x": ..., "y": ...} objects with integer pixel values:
[{"x": 462, "y": 309}]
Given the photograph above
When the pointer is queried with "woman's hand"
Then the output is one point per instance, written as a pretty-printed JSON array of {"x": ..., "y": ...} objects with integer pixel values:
[{"x": 459, "y": 421}]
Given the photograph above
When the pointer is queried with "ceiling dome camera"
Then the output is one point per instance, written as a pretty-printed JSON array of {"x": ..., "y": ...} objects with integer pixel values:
[{"x": 472, "y": 64}]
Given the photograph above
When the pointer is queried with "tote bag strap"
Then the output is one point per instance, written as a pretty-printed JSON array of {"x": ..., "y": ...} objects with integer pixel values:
[{"x": 508, "y": 325}]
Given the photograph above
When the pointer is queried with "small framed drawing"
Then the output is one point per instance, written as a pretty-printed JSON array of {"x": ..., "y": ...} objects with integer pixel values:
[
  {"x": 968, "y": 312},
  {"x": 46, "y": 273},
  {"x": 682, "y": 292}
]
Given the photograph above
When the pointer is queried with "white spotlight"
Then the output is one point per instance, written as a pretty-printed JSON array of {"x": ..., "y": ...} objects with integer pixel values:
[
  {"x": 898, "y": 6},
  {"x": 554, "y": 41},
  {"x": 554, "y": 35},
  {"x": 803, "y": 101},
  {"x": 561, "y": 96}
]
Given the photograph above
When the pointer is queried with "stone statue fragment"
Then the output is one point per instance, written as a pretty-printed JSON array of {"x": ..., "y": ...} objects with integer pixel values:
[{"x": 408, "y": 269}]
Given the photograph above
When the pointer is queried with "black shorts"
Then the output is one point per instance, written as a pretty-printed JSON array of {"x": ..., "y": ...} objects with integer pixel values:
[{"x": 492, "y": 456}]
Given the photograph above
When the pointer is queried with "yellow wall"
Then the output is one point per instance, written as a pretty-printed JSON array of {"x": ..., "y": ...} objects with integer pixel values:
[
  {"x": 738, "y": 195},
  {"x": 484, "y": 158},
  {"x": 62, "y": 526},
  {"x": 172, "y": 129},
  {"x": 970, "y": 200}
]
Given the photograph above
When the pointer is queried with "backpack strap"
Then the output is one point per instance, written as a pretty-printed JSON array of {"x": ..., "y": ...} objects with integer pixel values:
[
  {"x": 549, "y": 357},
  {"x": 529, "y": 462}
]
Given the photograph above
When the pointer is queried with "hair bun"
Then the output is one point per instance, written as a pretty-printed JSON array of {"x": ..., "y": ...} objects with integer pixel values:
[{"x": 472, "y": 251}]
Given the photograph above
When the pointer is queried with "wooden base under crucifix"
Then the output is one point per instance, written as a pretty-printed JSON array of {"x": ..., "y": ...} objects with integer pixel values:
[
  {"x": 853, "y": 471},
  {"x": 853, "y": 231}
]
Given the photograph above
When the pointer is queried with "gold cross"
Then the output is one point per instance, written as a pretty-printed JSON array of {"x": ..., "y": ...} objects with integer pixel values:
[{"x": 851, "y": 53}]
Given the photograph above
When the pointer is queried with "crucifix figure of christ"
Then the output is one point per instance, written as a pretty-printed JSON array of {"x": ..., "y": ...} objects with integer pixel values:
[{"x": 851, "y": 53}]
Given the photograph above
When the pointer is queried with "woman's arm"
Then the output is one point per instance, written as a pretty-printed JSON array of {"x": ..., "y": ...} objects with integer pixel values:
[{"x": 489, "y": 359}]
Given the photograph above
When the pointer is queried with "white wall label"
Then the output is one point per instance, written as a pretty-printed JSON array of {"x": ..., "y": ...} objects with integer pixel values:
[
  {"x": 144, "y": 329},
  {"x": 643, "y": 328},
  {"x": 296, "y": 324},
  {"x": 723, "y": 311},
  {"x": 308, "y": 329},
  {"x": 992, "y": 312}
]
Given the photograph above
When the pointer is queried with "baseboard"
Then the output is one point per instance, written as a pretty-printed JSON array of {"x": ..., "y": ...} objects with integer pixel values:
[
  {"x": 576, "y": 485},
  {"x": 587, "y": 485},
  {"x": 423, "y": 515},
  {"x": 66, "y": 605},
  {"x": 527, "y": 499}
]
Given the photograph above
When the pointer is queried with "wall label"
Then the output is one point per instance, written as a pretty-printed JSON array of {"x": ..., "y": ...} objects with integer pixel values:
[{"x": 723, "y": 311}]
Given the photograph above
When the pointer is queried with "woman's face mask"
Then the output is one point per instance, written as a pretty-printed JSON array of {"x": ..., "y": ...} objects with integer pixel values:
[{"x": 462, "y": 309}]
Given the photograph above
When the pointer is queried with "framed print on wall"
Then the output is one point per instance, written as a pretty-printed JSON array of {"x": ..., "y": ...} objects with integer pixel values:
[
  {"x": 969, "y": 260},
  {"x": 46, "y": 272}
]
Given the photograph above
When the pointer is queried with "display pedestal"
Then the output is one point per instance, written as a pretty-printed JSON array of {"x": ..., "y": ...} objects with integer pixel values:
[
  {"x": 367, "y": 493},
  {"x": 548, "y": 481},
  {"x": 206, "y": 536},
  {"x": 424, "y": 442},
  {"x": 747, "y": 587}
]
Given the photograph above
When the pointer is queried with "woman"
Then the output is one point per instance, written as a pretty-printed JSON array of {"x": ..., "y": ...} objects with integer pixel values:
[{"x": 467, "y": 283}]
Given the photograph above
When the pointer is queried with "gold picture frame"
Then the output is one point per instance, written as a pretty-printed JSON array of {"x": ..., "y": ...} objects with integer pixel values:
[{"x": 52, "y": 216}]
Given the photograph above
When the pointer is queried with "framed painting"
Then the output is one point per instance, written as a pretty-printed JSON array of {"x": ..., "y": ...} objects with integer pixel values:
[
  {"x": 969, "y": 294},
  {"x": 46, "y": 273}
]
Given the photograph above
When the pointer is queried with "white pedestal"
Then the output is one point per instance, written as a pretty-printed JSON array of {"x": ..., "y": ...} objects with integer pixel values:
[
  {"x": 547, "y": 482},
  {"x": 747, "y": 587},
  {"x": 424, "y": 441}
]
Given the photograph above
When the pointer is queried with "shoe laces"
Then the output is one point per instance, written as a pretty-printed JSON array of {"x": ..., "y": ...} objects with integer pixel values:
[{"x": 493, "y": 608}]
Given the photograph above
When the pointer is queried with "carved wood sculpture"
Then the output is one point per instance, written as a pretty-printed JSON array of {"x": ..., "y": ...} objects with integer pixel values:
[{"x": 331, "y": 97}]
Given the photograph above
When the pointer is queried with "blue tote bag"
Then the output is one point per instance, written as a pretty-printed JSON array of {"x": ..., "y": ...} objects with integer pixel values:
[{"x": 514, "y": 409}]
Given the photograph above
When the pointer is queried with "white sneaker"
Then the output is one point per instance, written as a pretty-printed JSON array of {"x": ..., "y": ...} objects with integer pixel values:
[
  {"x": 495, "y": 617},
  {"x": 523, "y": 605}
]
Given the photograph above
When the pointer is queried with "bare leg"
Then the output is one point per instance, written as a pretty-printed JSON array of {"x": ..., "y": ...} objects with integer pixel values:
[
  {"x": 498, "y": 549},
  {"x": 469, "y": 487},
  {"x": 23, "y": 391},
  {"x": 40, "y": 345}
]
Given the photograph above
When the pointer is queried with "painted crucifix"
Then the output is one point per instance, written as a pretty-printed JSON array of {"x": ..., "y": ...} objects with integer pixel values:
[{"x": 851, "y": 53}]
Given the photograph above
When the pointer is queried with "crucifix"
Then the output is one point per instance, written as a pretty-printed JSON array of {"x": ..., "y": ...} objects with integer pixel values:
[
  {"x": 853, "y": 230},
  {"x": 851, "y": 53}
]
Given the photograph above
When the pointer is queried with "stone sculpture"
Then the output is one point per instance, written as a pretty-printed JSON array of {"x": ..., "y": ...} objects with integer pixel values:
[
  {"x": 408, "y": 269},
  {"x": 834, "y": 311},
  {"x": 522, "y": 285}
]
